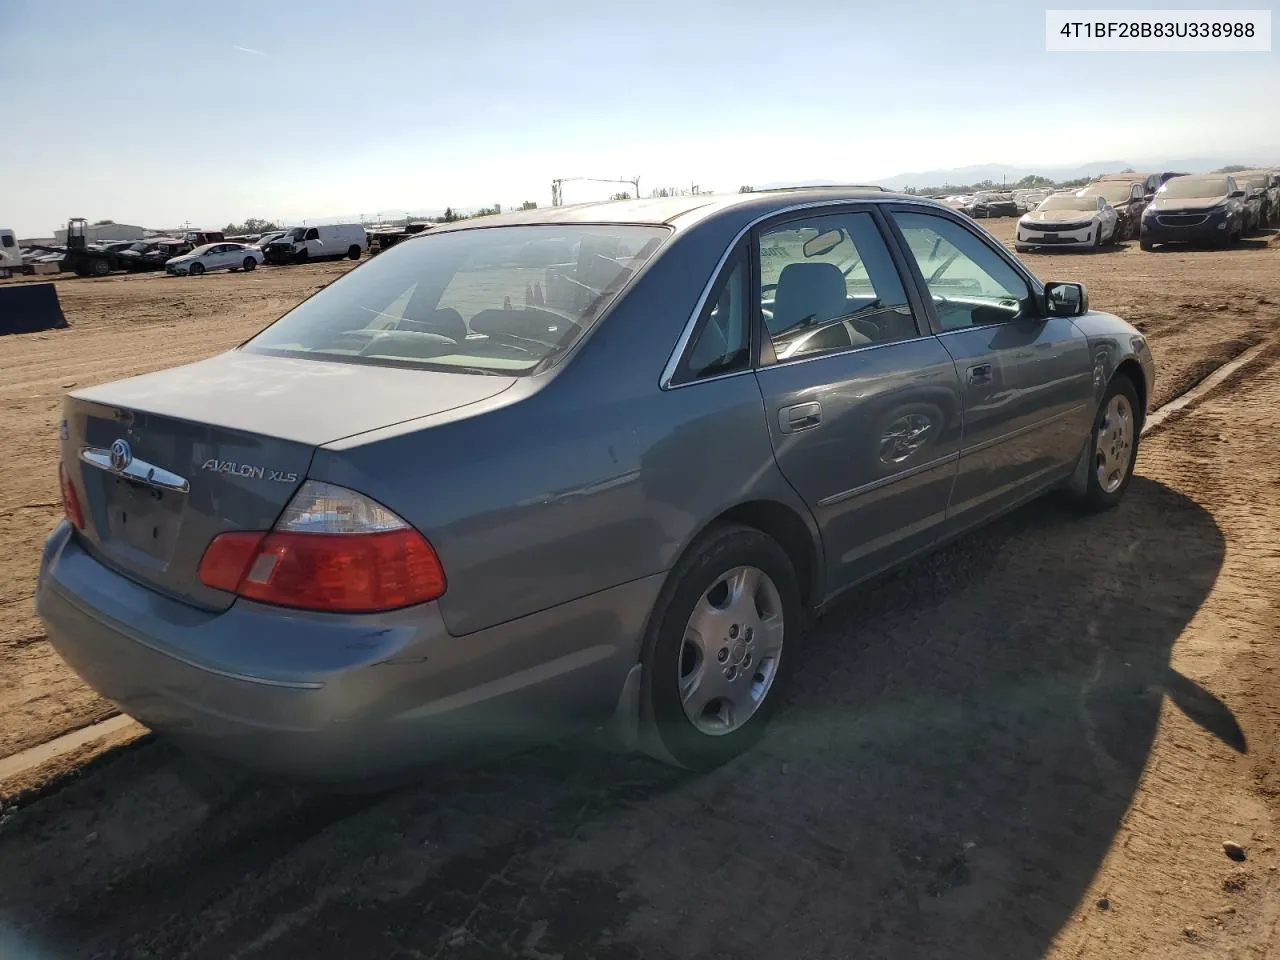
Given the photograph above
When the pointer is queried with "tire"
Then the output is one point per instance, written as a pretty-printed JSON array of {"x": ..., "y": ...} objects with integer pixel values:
[
  {"x": 1097, "y": 241},
  {"x": 99, "y": 268},
  {"x": 353, "y": 252},
  {"x": 736, "y": 662},
  {"x": 302, "y": 256},
  {"x": 1113, "y": 445},
  {"x": 1022, "y": 248},
  {"x": 1146, "y": 244},
  {"x": 195, "y": 270},
  {"x": 250, "y": 264}
]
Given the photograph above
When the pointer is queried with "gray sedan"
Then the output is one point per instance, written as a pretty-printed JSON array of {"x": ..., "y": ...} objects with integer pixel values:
[{"x": 593, "y": 466}]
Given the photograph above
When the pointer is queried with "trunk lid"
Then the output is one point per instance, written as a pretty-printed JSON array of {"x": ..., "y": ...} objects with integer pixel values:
[{"x": 165, "y": 462}]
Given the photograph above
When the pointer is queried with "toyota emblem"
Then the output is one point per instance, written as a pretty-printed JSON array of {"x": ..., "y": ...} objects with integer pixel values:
[{"x": 121, "y": 455}]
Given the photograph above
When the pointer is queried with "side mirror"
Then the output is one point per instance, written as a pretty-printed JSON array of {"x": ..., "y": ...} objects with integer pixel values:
[
  {"x": 1066, "y": 299},
  {"x": 1237, "y": 194}
]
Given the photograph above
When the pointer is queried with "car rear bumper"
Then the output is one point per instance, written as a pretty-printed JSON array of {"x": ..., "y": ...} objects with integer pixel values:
[{"x": 336, "y": 699}]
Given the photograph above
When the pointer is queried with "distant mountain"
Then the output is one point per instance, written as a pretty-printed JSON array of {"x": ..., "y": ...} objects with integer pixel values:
[{"x": 1012, "y": 173}]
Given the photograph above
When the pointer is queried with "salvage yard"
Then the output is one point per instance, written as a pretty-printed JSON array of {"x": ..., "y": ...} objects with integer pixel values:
[{"x": 1033, "y": 742}]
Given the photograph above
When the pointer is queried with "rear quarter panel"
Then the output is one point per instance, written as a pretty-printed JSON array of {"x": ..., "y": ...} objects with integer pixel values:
[{"x": 582, "y": 478}]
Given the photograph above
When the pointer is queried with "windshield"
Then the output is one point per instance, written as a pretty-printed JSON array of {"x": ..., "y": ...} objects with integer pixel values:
[
  {"x": 487, "y": 300},
  {"x": 1255, "y": 180},
  {"x": 1182, "y": 187},
  {"x": 203, "y": 248},
  {"x": 1082, "y": 204},
  {"x": 1118, "y": 192}
]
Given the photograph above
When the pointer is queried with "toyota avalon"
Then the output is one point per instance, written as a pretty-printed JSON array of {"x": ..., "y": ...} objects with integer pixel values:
[{"x": 587, "y": 467}]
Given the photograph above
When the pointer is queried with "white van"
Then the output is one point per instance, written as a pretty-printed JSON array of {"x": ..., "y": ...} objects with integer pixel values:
[
  {"x": 330, "y": 241},
  {"x": 10, "y": 253}
]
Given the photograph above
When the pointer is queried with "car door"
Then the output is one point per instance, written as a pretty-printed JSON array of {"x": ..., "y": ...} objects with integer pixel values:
[
  {"x": 1027, "y": 377},
  {"x": 863, "y": 403},
  {"x": 313, "y": 244}
]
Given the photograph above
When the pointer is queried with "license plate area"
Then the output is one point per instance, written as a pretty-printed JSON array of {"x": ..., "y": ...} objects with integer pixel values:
[{"x": 144, "y": 519}]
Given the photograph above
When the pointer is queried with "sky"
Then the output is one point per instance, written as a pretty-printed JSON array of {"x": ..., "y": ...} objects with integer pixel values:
[{"x": 160, "y": 114}]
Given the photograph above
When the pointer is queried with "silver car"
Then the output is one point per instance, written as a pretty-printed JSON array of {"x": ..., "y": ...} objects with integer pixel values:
[{"x": 592, "y": 466}]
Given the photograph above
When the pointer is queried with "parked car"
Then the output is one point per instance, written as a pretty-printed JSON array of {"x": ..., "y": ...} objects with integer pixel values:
[
  {"x": 1151, "y": 182},
  {"x": 1257, "y": 197},
  {"x": 1068, "y": 220},
  {"x": 215, "y": 256},
  {"x": 960, "y": 202},
  {"x": 994, "y": 205},
  {"x": 1267, "y": 183},
  {"x": 1127, "y": 197},
  {"x": 408, "y": 518},
  {"x": 1207, "y": 208},
  {"x": 325, "y": 242},
  {"x": 266, "y": 238}
]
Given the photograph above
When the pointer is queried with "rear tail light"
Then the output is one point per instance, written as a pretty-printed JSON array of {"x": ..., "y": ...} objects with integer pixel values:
[
  {"x": 70, "y": 499},
  {"x": 334, "y": 550}
]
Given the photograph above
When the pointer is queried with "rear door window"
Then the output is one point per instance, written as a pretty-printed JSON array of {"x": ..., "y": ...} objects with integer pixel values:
[{"x": 828, "y": 283}]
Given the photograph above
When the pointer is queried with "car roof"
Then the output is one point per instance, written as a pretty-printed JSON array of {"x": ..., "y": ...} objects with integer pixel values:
[{"x": 678, "y": 211}]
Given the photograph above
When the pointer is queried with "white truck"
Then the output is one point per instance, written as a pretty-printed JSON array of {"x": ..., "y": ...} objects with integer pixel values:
[
  {"x": 330, "y": 241},
  {"x": 10, "y": 253}
]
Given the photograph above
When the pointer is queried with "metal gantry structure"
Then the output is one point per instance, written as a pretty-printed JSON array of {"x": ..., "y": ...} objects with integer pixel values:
[{"x": 557, "y": 186}]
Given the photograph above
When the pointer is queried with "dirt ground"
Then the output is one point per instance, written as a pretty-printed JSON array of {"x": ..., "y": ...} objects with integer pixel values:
[{"x": 1032, "y": 743}]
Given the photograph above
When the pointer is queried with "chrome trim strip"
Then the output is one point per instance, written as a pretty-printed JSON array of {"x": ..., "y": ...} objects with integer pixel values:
[
  {"x": 673, "y": 362},
  {"x": 137, "y": 470},
  {"x": 785, "y": 364},
  {"x": 885, "y": 481},
  {"x": 1013, "y": 434}
]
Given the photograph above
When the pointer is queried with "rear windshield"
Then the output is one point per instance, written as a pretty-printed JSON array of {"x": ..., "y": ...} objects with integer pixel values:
[
  {"x": 498, "y": 300},
  {"x": 1183, "y": 187}
]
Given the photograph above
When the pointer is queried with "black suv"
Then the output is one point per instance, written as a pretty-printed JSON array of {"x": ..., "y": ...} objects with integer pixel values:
[{"x": 1208, "y": 208}]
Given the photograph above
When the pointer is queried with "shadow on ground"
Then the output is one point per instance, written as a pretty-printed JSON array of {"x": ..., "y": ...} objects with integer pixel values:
[{"x": 959, "y": 744}]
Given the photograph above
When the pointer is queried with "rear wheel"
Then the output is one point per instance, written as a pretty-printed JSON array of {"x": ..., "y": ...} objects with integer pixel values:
[
  {"x": 712, "y": 658},
  {"x": 353, "y": 252},
  {"x": 196, "y": 269},
  {"x": 1113, "y": 447},
  {"x": 250, "y": 264}
]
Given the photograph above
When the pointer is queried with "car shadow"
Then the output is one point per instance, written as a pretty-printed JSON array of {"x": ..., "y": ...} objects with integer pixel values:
[
  {"x": 952, "y": 758},
  {"x": 1242, "y": 243}
]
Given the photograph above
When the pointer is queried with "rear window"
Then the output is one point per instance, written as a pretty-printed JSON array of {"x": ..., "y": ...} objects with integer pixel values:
[{"x": 498, "y": 300}]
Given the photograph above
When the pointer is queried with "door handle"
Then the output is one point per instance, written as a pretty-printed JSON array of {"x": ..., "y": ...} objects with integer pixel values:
[
  {"x": 981, "y": 373},
  {"x": 800, "y": 416}
]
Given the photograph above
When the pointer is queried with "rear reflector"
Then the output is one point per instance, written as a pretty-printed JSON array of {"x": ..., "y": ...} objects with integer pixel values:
[
  {"x": 333, "y": 550},
  {"x": 70, "y": 499},
  {"x": 227, "y": 559}
]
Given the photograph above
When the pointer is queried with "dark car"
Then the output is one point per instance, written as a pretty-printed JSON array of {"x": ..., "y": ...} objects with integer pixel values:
[
  {"x": 1259, "y": 199},
  {"x": 1129, "y": 199},
  {"x": 1204, "y": 208},
  {"x": 411, "y": 516},
  {"x": 995, "y": 205},
  {"x": 1151, "y": 182}
]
